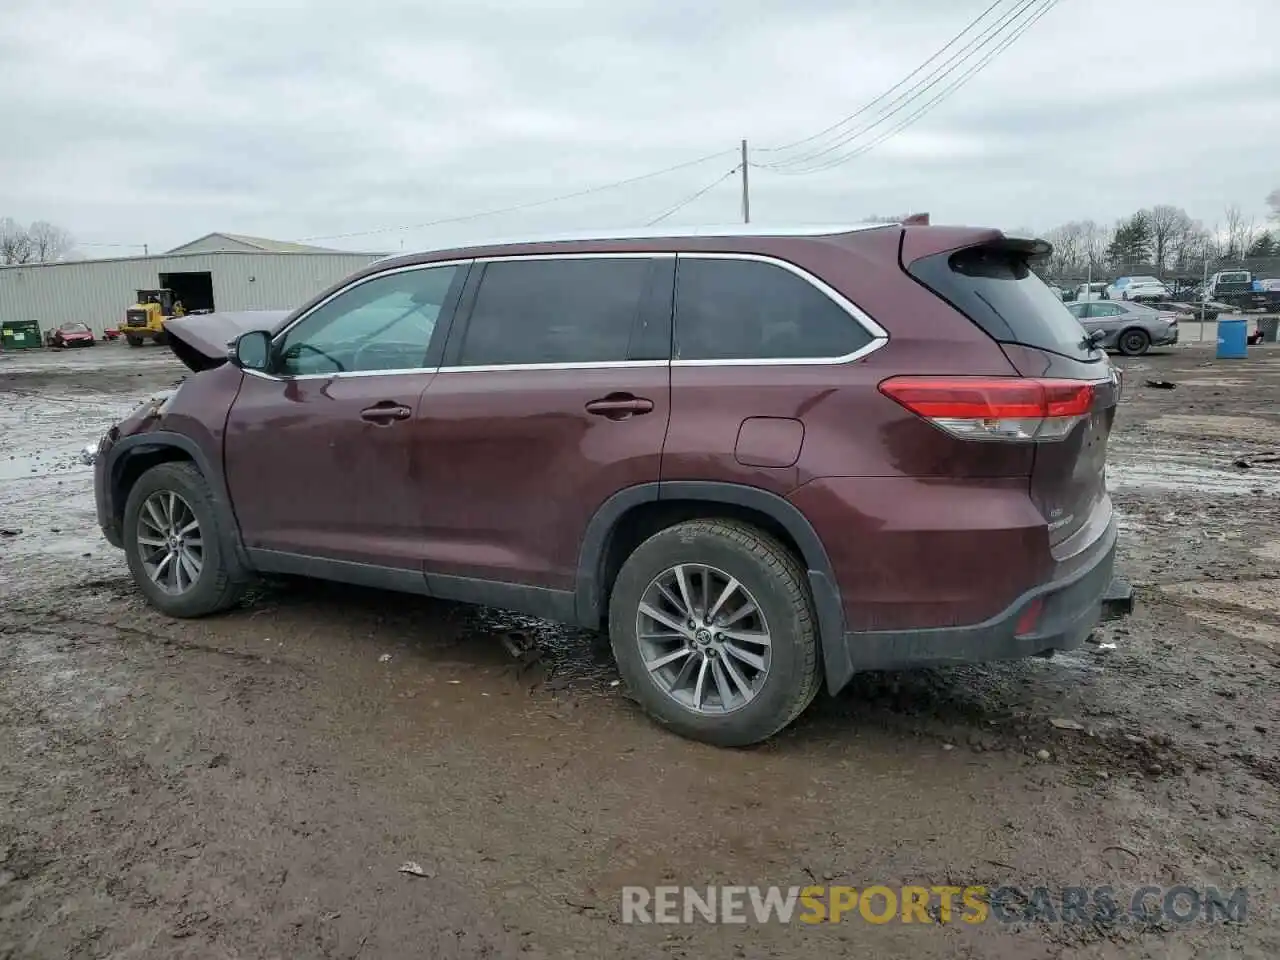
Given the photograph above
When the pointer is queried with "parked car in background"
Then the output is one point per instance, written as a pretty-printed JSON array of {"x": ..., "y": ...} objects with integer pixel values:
[
  {"x": 1137, "y": 288},
  {"x": 1131, "y": 328},
  {"x": 71, "y": 334},
  {"x": 1089, "y": 291}
]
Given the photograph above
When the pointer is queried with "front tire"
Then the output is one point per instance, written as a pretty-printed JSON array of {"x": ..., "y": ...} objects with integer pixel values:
[
  {"x": 173, "y": 543},
  {"x": 749, "y": 665},
  {"x": 133, "y": 341},
  {"x": 1134, "y": 343}
]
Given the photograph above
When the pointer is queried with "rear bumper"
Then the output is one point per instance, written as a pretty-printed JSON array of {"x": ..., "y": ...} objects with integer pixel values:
[{"x": 1071, "y": 607}]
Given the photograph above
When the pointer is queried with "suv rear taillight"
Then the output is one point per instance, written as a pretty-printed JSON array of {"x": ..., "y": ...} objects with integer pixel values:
[{"x": 995, "y": 408}]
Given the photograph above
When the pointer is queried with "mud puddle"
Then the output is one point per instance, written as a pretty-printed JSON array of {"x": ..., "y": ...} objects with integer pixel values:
[{"x": 1186, "y": 473}]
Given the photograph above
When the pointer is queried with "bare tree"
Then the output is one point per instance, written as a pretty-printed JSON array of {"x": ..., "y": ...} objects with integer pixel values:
[
  {"x": 1094, "y": 240},
  {"x": 1273, "y": 201},
  {"x": 39, "y": 243},
  {"x": 1239, "y": 232},
  {"x": 1067, "y": 253},
  {"x": 15, "y": 244},
  {"x": 1168, "y": 223},
  {"x": 48, "y": 242},
  {"x": 1192, "y": 245}
]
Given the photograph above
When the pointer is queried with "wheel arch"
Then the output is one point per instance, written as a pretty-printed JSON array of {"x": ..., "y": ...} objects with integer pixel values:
[
  {"x": 133, "y": 456},
  {"x": 632, "y": 515},
  {"x": 1128, "y": 329}
]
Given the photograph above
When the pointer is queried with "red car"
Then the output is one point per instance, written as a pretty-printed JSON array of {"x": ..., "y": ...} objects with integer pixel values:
[
  {"x": 760, "y": 459},
  {"x": 72, "y": 335}
]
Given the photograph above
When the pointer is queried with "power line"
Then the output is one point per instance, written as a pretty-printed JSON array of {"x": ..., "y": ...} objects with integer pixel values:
[
  {"x": 964, "y": 78},
  {"x": 992, "y": 34},
  {"x": 522, "y": 206},
  {"x": 871, "y": 103},
  {"x": 692, "y": 197}
]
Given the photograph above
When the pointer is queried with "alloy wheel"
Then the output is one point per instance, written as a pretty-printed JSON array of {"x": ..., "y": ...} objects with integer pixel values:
[
  {"x": 704, "y": 638},
  {"x": 170, "y": 542}
]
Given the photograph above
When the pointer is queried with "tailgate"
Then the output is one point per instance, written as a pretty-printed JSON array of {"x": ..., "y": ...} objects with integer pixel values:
[{"x": 992, "y": 283}]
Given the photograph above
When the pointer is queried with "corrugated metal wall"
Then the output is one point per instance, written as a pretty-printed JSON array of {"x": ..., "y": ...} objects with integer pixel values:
[{"x": 97, "y": 292}]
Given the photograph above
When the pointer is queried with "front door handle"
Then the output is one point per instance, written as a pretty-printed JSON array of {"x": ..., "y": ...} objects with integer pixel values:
[
  {"x": 386, "y": 413},
  {"x": 620, "y": 406}
]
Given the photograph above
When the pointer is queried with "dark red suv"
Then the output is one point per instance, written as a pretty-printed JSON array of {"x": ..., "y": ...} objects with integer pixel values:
[{"x": 757, "y": 459}]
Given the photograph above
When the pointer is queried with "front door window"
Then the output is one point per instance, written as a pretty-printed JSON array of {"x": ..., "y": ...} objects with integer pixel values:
[{"x": 382, "y": 324}]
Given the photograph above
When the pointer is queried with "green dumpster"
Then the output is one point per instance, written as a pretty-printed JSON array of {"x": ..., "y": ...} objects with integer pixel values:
[{"x": 20, "y": 335}]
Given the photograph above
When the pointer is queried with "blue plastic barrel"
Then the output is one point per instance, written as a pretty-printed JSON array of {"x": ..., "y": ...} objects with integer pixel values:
[{"x": 1233, "y": 339}]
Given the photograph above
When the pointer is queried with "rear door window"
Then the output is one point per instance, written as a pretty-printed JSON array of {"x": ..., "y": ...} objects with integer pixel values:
[
  {"x": 736, "y": 309},
  {"x": 553, "y": 311},
  {"x": 995, "y": 287}
]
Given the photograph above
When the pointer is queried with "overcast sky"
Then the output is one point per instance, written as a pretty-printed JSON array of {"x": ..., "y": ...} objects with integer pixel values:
[{"x": 135, "y": 122}]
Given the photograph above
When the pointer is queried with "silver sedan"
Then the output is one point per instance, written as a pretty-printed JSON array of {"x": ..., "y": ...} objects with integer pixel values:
[{"x": 1129, "y": 327}]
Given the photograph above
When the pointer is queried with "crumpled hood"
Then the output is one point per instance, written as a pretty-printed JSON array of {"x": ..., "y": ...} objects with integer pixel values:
[{"x": 201, "y": 340}]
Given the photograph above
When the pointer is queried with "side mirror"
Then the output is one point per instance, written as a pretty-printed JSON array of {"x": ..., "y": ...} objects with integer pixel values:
[{"x": 252, "y": 350}]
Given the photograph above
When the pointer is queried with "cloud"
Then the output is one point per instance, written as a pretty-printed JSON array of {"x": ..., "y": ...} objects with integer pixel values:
[{"x": 154, "y": 123}]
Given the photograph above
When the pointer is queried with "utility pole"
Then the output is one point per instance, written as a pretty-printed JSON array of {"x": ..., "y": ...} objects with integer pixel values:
[
  {"x": 146, "y": 251},
  {"x": 746, "y": 192}
]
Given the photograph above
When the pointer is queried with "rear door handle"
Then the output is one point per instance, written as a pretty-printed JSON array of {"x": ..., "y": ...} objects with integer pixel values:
[
  {"x": 619, "y": 406},
  {"x": 385, "y": 413}
]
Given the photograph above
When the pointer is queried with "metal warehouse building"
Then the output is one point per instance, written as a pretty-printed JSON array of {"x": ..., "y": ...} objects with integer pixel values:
[{"x": 220, "y": 271}]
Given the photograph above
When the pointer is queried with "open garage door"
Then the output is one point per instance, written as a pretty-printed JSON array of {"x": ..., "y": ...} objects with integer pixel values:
[{"x": 194, "y": 290}]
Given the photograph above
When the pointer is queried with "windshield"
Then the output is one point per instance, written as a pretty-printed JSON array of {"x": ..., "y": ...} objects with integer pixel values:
[{"x": 74, "y": 328}]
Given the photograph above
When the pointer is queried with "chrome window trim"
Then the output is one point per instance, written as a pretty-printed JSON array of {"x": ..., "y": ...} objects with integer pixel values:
[
  {"x": 578, "y": 255},
  {"x": 584, "y": 365},
  {"x": 879, "y": 336},
  {"x": 343, "y": 375}
]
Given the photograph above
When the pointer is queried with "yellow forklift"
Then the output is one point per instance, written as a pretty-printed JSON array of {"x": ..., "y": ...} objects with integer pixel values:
[{"x": 145, "y": 319}]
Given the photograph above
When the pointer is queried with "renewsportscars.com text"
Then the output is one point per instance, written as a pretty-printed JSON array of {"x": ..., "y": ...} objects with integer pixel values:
[{"x": 971, "y": 905}]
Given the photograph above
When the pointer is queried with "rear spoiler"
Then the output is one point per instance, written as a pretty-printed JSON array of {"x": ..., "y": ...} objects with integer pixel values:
[{"x": 918, "y": 243}]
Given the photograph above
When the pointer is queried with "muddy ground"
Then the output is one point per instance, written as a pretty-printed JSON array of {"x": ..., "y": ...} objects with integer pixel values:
[{"x": 249, "y": 785}]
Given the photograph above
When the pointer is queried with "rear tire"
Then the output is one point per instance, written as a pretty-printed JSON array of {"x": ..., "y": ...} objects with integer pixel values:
[
  {"x": 1133, "y": 343},
  {"x": 211, "y": 588},
  {"x": 770, "y": 580}
]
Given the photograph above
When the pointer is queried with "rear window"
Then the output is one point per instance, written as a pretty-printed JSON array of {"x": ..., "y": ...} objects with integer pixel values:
[{"x": 996, "y": 289}]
